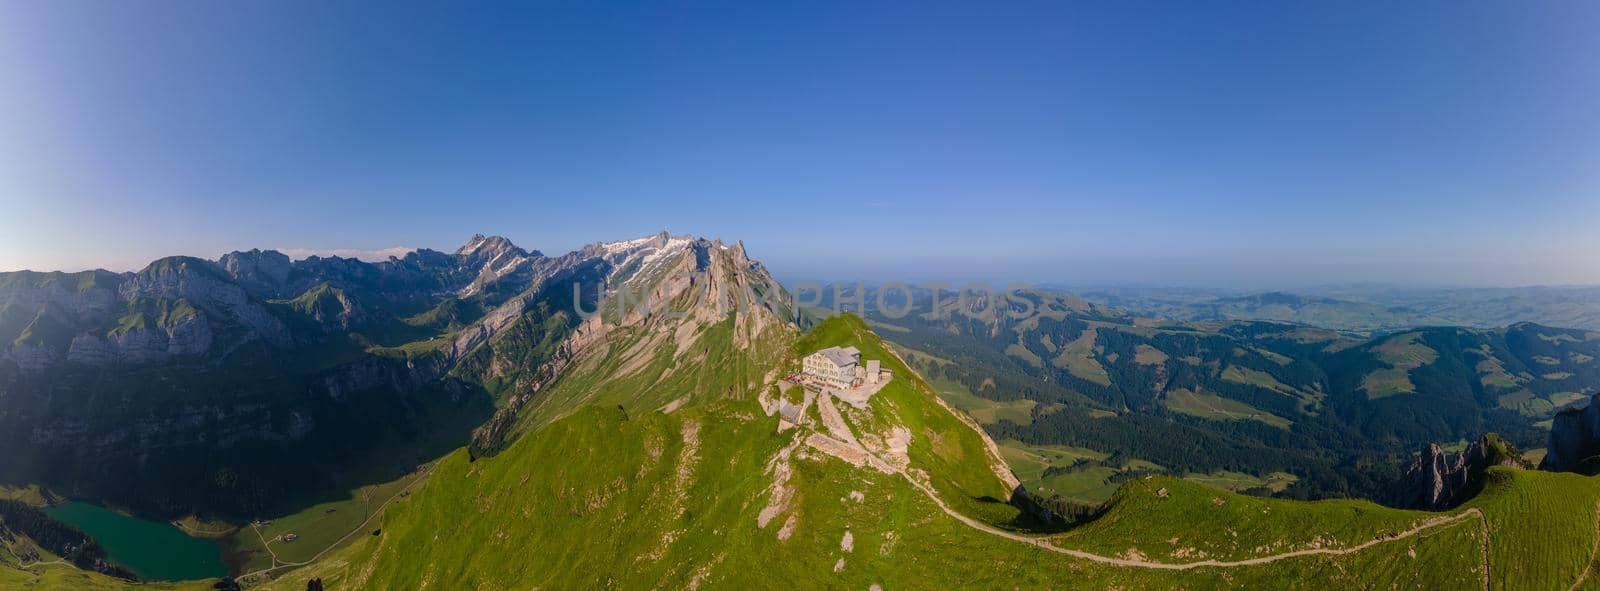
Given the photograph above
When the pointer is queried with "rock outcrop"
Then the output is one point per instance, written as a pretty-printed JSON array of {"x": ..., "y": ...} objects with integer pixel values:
[
  {"x": 208, "y": 287},
  {"x": 1575, "y": 440},
  {"x": 185, "y": 336},
  {"x": 262, "y": 272},
  {"x": 1439, "y": 480}
]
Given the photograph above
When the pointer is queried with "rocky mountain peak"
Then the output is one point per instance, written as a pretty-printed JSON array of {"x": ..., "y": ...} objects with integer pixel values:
[
  {"x": 493, "y": 258},
  {"x": 260, "y": 271},
  {"x": 481, "y": 247},
  {"x": 172, "y": 267},
  {"x": 1439, "y": 480}
]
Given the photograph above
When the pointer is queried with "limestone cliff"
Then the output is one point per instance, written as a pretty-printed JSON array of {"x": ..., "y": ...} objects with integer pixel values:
[
  {"x": 1575, "y": 440},
  {"x": 1439, "y": 480}
]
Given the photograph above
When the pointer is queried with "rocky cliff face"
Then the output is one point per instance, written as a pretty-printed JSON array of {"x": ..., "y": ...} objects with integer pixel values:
[
  {"x": 206, "y": 286},
  {"x": 222, "y": 385},
  {"x": 264, "y": 273},
  {"x": 1439, "y": 480},
  {"x": 494, "y": 258},
  {"x": 188, "y": 336},
  {"x": 1575, "y": 440},
  {"x": 641, "y": 295}
]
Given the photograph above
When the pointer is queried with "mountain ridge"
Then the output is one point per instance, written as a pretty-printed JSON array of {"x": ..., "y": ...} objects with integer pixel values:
[
  {"x": 631, "y": 438},
  {"x": 254, "y": 351}
]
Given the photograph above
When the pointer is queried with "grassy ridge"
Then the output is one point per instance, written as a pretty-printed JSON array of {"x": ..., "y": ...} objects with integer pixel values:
[
  {"x": 952, "y": 453},
  {"x": 68, "y": 577},
  {"x": 625, "y": 499},
  {"x": 632, "y": 497},
  {"x": 1542, "y": 526},
  {"x": 550, "y": 513}
]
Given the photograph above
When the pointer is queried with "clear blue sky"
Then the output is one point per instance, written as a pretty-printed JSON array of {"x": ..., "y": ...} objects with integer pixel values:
[{"x": 1269, "y": 143}]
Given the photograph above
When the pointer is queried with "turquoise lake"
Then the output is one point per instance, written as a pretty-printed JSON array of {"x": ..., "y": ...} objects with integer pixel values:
[{"x": 151, "y": 549}]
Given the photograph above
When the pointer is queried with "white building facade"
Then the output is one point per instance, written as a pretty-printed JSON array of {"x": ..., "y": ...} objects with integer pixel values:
[{"x": 834, "y": 367}]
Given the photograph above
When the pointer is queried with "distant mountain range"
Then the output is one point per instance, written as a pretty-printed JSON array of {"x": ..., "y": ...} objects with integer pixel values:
[
  {"x": 1365, "y": 309},
  {"x": 1304, "y": 411}
]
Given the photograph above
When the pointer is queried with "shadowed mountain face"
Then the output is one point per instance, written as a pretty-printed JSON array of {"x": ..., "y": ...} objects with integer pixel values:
[
  {"x": 254, "y": 382},
  {"x": 1575, "y": 440}
]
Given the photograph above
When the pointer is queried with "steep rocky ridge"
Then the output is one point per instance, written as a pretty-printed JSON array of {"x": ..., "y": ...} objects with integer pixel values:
[
  {"x": 1440, "y": 480},
  {"x": 636, "y": 300},
  {"x": 1575, "y": 440},
  {"x": 289, "y": 374}
]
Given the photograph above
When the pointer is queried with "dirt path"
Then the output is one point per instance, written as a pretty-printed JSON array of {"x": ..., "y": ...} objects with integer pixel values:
[
  {"x": 1594, "y": 552},
  {"x": 34, "y": 564},
  {"x": 358, "y": 529},
  {"x": 834, "y": 421},
  {"x": 24, "y": 565},
  {"x": 1043, "y": 543},
  {"x": 997, "y": 462},
  {"x": 1484, "y": 521},
  {"x": 265, "y": 545}
]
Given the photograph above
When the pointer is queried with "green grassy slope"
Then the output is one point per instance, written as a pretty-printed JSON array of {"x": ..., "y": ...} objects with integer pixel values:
[
  {"x": 951, "y": 451},
  {"x": 1341, "y": 414},
  {"x": 592, "y": 501},
  {"x": 639, "y": 372},
  {"x": 68, "y": 577},
  {"x": 1543, "y": 527},
  {"x": 315, "y": 528},
  {"x": 634, "y": 497}
]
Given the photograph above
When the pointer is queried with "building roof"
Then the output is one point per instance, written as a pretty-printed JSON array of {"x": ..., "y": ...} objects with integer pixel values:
[
  {"x": 789, "y": 411},
  {"x": 840, "y": 356}
]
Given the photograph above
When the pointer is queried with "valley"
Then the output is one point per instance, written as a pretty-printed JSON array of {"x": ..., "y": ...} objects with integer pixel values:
[
  {"x": 644, "y": 445},
  {"x": 1265, "y": 407},
  {"x": 1068, "y": 295}
]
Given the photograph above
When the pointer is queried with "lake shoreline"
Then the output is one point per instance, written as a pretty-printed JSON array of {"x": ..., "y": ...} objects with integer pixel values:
[{"x": 154, "y": 551}]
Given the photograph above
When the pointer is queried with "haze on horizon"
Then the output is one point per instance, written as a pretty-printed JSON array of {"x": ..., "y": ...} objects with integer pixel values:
[{"x": 1429, "y": 143}]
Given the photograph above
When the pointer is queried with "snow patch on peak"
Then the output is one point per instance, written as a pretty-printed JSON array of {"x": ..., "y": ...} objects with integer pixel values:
[
  {"x": 472, "y": 245},
  {"x": 662, "y": 239},
  {"x": 673, "y": 245},
  {"x": 487, "y": 245},
  {"x": 622, "y": 246},
  {"x": 650, "y": 248}
]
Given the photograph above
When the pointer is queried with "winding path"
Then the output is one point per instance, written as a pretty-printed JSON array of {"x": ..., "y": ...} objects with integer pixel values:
[
  {"x": 1594, "y": 552},
  {"x": 34, "y": 564},
  {"x": 1044, "y": 543},
  {"x": 427, "y": 471},
  {"x": 265, "y": 545}
]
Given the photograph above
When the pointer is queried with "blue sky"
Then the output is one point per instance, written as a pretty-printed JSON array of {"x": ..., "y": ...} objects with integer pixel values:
[{"x": 1245, "y": 144}]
